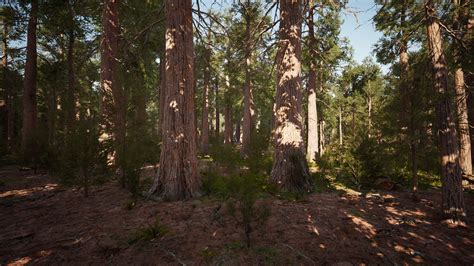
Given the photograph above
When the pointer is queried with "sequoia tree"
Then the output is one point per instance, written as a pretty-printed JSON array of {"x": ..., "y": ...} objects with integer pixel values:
[
  {"x": 452, "y": 195},
  {"x": 290, "y": 170},
  {"x": 178, "y": 176},
  {"x": 113, "y": 97},
  {"x": 30, "y": 111}
]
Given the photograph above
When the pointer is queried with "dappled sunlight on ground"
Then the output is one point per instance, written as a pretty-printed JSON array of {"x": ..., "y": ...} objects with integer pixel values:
[{"x": 66, "y": 228}]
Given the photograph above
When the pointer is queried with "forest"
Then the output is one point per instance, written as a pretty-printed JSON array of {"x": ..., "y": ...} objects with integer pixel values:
[{"x": 236, "y": 132}]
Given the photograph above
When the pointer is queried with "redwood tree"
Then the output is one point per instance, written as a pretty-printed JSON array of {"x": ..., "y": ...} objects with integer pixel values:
[
  {"x": 113, "y": 97},
  {"x": 452, "y": 195},
  {"x": 178, "y": 177},
  {"x": 313, "y": 134},
  {"x": 290, "y": 170},
  {"x": 30, "y": 111}
]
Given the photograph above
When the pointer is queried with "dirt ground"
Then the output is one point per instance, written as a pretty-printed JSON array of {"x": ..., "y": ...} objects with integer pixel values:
[{"x": 42, "y": 223}]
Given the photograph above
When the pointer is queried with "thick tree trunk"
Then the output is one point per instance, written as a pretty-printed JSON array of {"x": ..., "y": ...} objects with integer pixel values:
[
  {"x": 248, "y": 123},
  {"x": 452, "y": 198},
  {"x": 290, "y": 170},
  {"x": 178, "y": 177},
  {"x": 113, "y": 102},
  {"x": 205, "y": 106},
  {"x": 465, "y": 159},
  {"x": 29, "y": 95},
  {"x": 312, "y": 149}
]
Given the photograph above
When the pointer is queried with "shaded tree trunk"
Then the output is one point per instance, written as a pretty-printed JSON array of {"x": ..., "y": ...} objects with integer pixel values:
[
  {"x": 312, "y": 149},
  {"x": 30, "y": 112},
  {"x": 248, "y": 123},
  {"x": 205, "y": 107},
  {"x": 218, "y": 114},
  {"x": 113, "y": 102},
  {"x": 452, "y": 195},
  {"x": 228, "y": 124},
  {"x": 237, "y": 131},
  {"x": 340, "y": 126},
  {"x": 290, "y": 171},
  {"x": 465, "y": 159},
  {"x": 178, "y": 177},
  {"x": 70, "y": 99},
  {"x": 162, "y": 89},
  {"x": 8, "y": 90}
]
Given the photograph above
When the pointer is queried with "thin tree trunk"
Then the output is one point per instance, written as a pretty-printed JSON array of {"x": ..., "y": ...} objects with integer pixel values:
[
  {"x": 237, "y": 131},
  {"x": 178, "y": 177},
  {"x": 70, "y": 99},
  {"x": 290, "y": 171},
  {"x": 228, "y": 126},
  {"x": 465, "y": 159},
  {"x": 321, "y": 138},
  {"x": 162, "y": 89},
  {"x": 452, "y": 195},
  {"x": 312, "y": 149},
  {"x": 340, "y": 126},
  {"x": 218, "y": 114},
  {"x": 248, "y": 122},
  {"x": 205, "y": 107},
  {"x": 113, "y": 102},
  {"x": 30, "y": 112},
  {"x": 8, "y": 90}
]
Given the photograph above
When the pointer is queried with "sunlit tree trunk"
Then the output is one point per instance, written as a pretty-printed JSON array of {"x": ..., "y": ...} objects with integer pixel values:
[
  {"x": 228, "y": 125},
  {"x": 340, "y": 125},
  {"x": 218, "y": 113},
  {"x": 248, "y": 123},
  {"x": 290, "y": 170},
  {"x": 30, "y": 112},
  {"x": 452, "y": 198},
  {"x": 459, "y": 85},
  {"x": 312, "y": 149},
  {"x": 178, "y": 177},
  {"x": 205, "y": 106},
  {"x": 113, "y": 101}
]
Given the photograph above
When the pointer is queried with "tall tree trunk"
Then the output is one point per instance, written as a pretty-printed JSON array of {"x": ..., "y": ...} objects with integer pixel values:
[
  {"x": 30, "y": 112},
  {"x": 290, "y": 170},
  {"x": 237, "y": 130},
  {"x": 162, "y": 89},
  {"x": 340, "y": 125},
  {"x": 313, "y": 134},
  {"x": 205, "y": 107},
  {"x": 70, "y": 99},
  {"x": 248, "y": 123},
  {"x": 369, "y": 115},
  {"x": 452, "y": 198},
  {"x": 228, "y": 126},
  {"x": 322, "y": 144},
  {"x": 465, "y": 159},
  {"x": 178, "y": 177},
  {"x": 113, "y": 102},
  {"x": 8, "y": 90},
  {"x": 218, "y": 114}
]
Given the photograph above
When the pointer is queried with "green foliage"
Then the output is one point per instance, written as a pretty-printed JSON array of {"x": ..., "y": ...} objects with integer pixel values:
[
  {"x": 241, "y": 205},
  {"x": 148, "y": 233}
]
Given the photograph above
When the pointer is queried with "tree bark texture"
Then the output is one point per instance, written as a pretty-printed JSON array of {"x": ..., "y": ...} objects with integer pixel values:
[
  {"x": 290, "y": 171},
  {"x": 248, "y": 123},
  {"x": 312, "y": 150},
  {"x": 30, "y": 112},
  {"x": 178, "y": 177},
  {"x": 452, "y": 195},
  {"x": 205, "y": 106},
  {"x": 113, "y": 101},
  {"x": 465, "y": 159}
]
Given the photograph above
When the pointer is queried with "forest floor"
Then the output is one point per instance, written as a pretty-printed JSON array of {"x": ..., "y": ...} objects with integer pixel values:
[{"x": 42, "y": 222}]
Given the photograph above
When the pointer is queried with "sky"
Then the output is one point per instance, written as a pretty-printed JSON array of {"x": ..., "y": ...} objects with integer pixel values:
[{"x": 360, "y": 31}]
